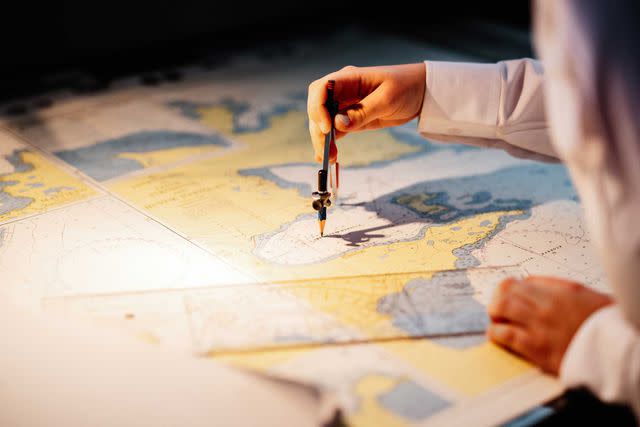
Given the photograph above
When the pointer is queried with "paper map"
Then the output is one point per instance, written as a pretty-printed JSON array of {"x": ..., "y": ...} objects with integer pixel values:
[{"x": 181, "y": 213}]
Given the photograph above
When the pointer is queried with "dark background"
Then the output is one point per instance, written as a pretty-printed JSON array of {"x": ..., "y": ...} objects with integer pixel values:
[{"x": 84, "y": 45}]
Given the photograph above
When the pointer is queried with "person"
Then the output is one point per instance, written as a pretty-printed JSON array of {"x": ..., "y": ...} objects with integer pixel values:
[{"x": 579, "y": 104}]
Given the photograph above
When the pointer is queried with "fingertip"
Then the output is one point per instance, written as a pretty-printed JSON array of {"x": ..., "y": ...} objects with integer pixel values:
[
  {"x": 316, "y": 110},
  {"x": 325, "y": 127},
  {"x": 342, "y": 122}
]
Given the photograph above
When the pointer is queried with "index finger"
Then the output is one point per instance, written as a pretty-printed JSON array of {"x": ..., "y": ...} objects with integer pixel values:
[
  {"x": 347, "y": 91},
  {"x": 316, "y": 109}
]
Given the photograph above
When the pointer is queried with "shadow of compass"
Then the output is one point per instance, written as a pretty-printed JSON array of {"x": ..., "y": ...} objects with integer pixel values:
[{"x": 359, "y": 237}]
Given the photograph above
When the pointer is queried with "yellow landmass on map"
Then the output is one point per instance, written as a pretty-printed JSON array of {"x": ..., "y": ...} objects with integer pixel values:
[
  {"x": 169, "y": 156},
  {"x": 469, "y": 372},
  {"x": 409, "y": 256},
  {"x": 354, "y": 301},
  {"x": 47, "y": 185},
  {"x": 416, "y": 202},
  {"x": 245, "y": 206},
  {"x": 287, "y": 141},
  {"x": 185, "y": 198}
]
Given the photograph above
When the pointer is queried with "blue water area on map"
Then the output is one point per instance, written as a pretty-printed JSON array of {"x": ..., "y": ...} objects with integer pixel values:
[
  {"x": 412, "y": 401},
  {"x": 9, "y": 202},
  {"x": 532, "y": 418},
  {"x": 461, "y": 342},
  {"x": 19, "y": 165},
  {"x": 260, "y": 117},
  {"x": 441, "y": 305},
  {"x": 54, "y": 190},
  {"x": 101, "y": 161},
  {"x": 479, "y": 197},
  {"x": 516, "y": 188}
]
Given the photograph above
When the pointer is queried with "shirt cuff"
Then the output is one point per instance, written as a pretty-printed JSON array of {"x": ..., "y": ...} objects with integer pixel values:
[
  {"x": 604, "y": 356},
  {"x": 461, "y": 99}
]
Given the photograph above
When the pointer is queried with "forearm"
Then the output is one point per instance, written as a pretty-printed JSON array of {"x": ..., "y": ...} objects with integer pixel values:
[{"x": 490, "y": 105}]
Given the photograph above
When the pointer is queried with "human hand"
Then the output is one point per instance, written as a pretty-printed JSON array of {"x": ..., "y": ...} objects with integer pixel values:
[
  {"x": 368, "y": 98},
  {"x": 537, "y": 317}
]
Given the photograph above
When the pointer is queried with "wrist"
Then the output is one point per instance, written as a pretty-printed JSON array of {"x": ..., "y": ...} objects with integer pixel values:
[
  {"x": 422, "y": 68},
  {"x": 420, "y": 87}
]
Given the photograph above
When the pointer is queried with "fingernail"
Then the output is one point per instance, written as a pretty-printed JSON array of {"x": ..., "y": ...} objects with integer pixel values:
[
  {"x": 325, "y": 128},
  {"x": 343, "y": 119}
]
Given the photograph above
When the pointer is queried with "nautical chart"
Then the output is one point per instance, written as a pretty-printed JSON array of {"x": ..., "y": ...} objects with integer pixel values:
[{"x": 181, "y": 214}]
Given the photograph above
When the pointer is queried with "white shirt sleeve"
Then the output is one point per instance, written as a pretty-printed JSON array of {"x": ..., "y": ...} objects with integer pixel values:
[
  {"x": 604, "y": 356},
  {"x": 490, "y": 105}
]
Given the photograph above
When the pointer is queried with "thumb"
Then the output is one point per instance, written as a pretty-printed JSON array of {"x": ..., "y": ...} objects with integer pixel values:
[{"x": 358, "y": 115}]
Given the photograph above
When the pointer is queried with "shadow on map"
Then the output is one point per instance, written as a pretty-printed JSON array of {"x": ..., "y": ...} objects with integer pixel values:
[
  {"x": 356, "y": 238},
  {"x": 513, "y": 191}
]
